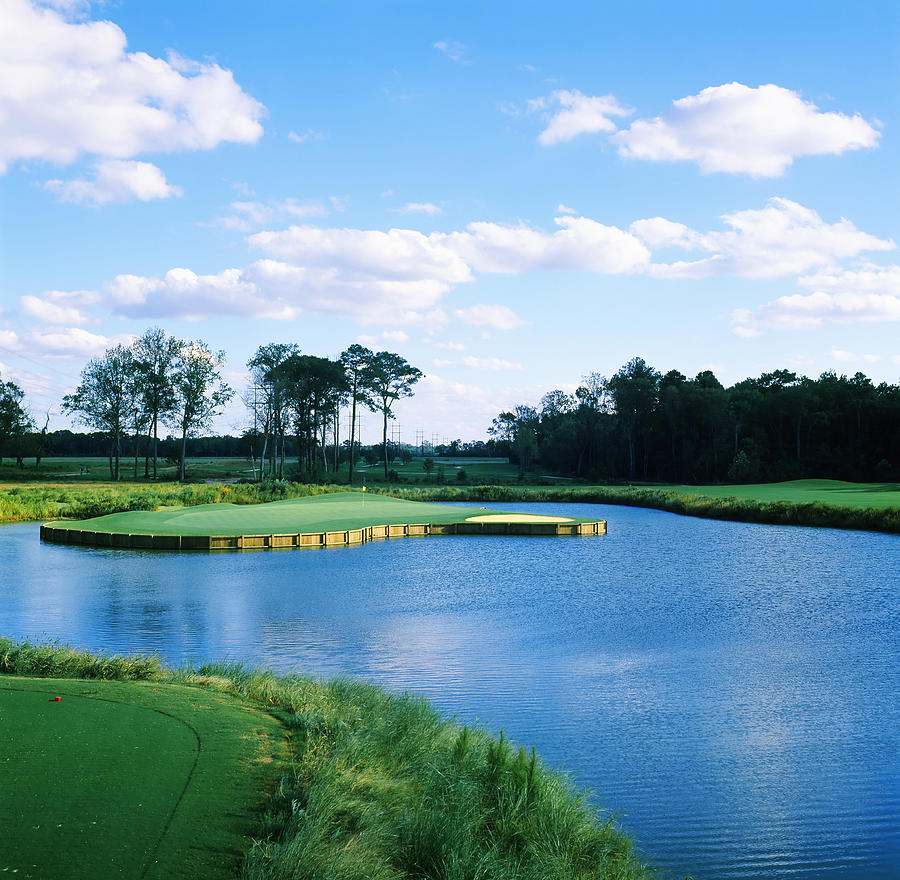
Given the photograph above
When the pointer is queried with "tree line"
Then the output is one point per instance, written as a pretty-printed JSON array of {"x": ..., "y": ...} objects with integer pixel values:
[
  {"x": 643, "y": 425},
  {"x": 130, "y": 392}
]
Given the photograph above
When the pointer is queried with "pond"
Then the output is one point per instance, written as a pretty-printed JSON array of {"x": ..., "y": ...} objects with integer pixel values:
[{"x": 729, "y": 690}]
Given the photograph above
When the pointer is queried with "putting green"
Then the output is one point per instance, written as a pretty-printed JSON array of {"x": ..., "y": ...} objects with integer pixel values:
[
  {"x": 319, "y": 513},
  {"x": 129, "y": 779}
]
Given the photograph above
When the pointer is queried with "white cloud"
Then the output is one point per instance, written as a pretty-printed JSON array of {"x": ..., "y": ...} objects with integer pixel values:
[
  {"x": 9, "y": 340},
  {"x": 493, "y": 364},
  {"x": 309, "y": 135},
  {"x": 867, "y": 295},
  {"x": 68, "y": 89},
  {"x": 418, "y": 208},
  {"x": 59, "y": 306},
  {"x": 565, "y": 209},
  {"x": 368, "y": 254},
  {"x": 848, "y": 357},
  {"x": 446, "y": 345},
  {"x": 272, "y": 289},
  {"x": 453, "y": 50},
  {"x": 781, "y": 239},
  {"x": 498, "y": 317},
  {"x": 868, "y": 279},
  {"x": 72, "y": 342},
  {"x": 580, "y": 245},
  {"x": 580, "y": 114},
  {"x": 386, "y": 336},
  {"x": 115, "y": 180},
  {"x": 737, "y": 129},
  {"x": 248, "y": 215}
]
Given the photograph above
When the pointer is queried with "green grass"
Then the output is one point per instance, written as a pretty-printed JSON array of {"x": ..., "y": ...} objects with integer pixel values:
[
  {"x": 333, "y": 512},
  {"x": 131, "y": 778},
  {"x": 878, "y": 515},
  {"x": 379, "y": 787},
  {"x": 879, "y": 496}
]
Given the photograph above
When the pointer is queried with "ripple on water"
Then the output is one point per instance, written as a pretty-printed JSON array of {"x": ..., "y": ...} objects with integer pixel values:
[{"x": 729, "y": 690}]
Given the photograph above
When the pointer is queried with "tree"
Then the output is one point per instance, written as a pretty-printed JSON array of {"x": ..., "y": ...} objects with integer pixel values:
[
  {"x": 357, "y": 361},
  {"x": 635, "y": 391},
  {"x": 200, "y": 391},
  {"x": 14, "y": 421},
  {"x": 313, "y": 387},
  {"x": 390, "y": 377},
  {"x": 154, "y": 355},
  {"x": 267, "y": 399},
  {"x": 106, "y": 398}
]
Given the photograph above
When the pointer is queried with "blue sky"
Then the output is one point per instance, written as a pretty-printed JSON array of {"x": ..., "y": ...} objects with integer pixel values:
[{"x": 510, "y": 195}]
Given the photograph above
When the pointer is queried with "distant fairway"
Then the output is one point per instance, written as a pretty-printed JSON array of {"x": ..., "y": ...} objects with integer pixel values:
[
  {"x": 877, "y": 495},
  {"x": 129, "y": 779},
  {"x": 337, "y": 511}
]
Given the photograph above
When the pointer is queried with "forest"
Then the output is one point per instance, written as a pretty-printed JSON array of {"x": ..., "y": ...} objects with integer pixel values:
[
  {"x": 643, "y": 425},
  {"x": 639, "y": 425}
]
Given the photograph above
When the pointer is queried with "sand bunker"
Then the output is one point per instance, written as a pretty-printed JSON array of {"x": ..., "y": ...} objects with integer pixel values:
[{"x": 518, "y": 517}]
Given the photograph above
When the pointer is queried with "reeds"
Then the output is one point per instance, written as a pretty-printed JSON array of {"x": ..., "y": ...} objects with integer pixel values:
[
  {"x": 31, "y": 503},
  {"x": 381, "y": 786}
]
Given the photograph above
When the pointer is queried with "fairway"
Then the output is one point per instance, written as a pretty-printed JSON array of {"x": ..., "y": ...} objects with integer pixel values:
[
  {"x": 342, "y": 510},
  {"x": 837, "y": 492},
  {"x": 129, "y": 779}
]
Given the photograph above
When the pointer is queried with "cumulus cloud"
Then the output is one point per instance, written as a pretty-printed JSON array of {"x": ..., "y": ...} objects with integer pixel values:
[
  {"x": 272, "y": 289},
  {"x": 386, "y": 336},
  {"x": 368, "y": 254},
  {"x": 452, "y": 49},
  {"x": 115, "y": 180},
  {"x": 783, "y": 238},
  {"x": 737, "y": 129},
  {"x": 579, "y": 114},
  {"x": 848, "y": 357},
  {"x": 580, "y": 244},
  {"x": 309, "y": 135},
  {"x": 71, "y": 342},
  {"x": 493, "y": 364},
  {"x": 418, "y": 208},
  {"x": 867, "y": 295},
  {"x": 60, "y": 306},
  {"x": 497, "y": 317},
  {"x": 247, "y": 215},
  {"x": 71, "y": 88}
]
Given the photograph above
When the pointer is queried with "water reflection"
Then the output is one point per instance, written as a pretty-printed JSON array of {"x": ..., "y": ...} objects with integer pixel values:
[{"x": 728, "y": 689}]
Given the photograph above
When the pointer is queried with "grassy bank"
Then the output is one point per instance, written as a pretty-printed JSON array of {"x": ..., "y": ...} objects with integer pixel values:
[
  {"x": 688, "y": 501},
  {"x": 29, "y": 503},
  {"x": 382, "y": 787},
  {"x": 825, "y": 503}
]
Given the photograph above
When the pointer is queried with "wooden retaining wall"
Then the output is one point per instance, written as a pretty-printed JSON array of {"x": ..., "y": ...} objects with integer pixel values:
[{"x": 347, "y": 537}]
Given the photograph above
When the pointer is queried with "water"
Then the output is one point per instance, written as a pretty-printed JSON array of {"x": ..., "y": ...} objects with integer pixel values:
[{"x": 729, "y": 690}]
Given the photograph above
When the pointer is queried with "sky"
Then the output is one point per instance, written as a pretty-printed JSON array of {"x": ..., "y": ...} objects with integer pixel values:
[{"x": 511, "y": 195}]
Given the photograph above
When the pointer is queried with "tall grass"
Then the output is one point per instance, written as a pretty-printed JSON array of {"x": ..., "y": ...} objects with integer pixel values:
[
  {"x": 54, "y": 659},
  {"x": 740, "y": 509},
  {"x": 382, "y": 787},
  {"x": 30, "y": 503}
]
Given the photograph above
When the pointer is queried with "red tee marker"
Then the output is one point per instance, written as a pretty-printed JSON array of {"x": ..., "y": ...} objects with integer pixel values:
[{"x": 56, "y": 699}]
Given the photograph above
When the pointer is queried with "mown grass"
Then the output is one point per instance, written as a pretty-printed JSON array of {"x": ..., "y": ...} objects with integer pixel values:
[
  {"x": 681, "y": 501},
  {"x": 382, "y": 787}
]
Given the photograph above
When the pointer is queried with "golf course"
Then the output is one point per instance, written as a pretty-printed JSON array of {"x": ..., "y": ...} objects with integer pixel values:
[
  {"x": 131, "y": 779},
  {"x": 121, "y": 767},
  {"x": 323, "y": 520}
]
